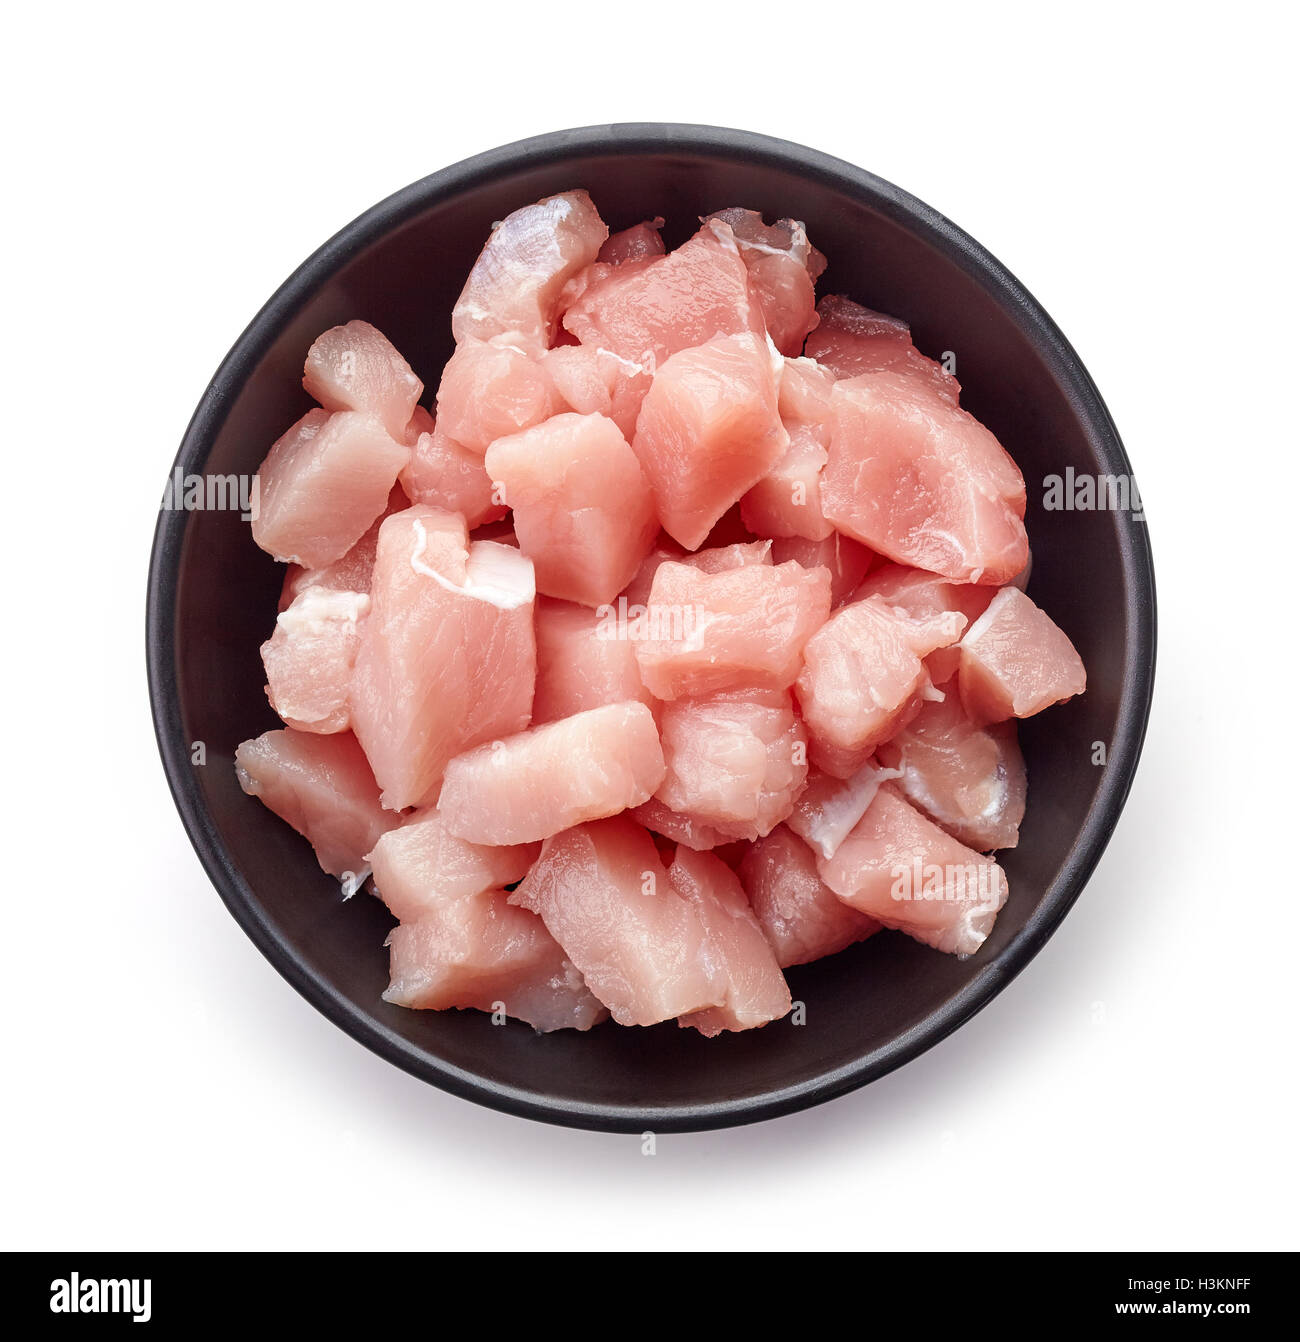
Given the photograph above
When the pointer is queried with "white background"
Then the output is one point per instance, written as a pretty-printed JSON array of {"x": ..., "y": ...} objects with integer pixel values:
[{"x": 167, "y": 167}]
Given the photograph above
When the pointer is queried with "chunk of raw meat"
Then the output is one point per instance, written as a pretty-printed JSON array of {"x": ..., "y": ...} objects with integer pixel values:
[
  {"x": 421, "y": 421},
  {"x": 351, "y": 573},
  {"x": 669, "y": 824},
  {"x": 540, "y": 781},
  {"x": 1015, "y": 661},
  {"x": 851, "y": 340},
  {"x": 801, "y": 916},
  {"x": 637, "y": 243},
  {"x": 323, "y": 787},
  {"x": 582, "y": 508},
  {"x": 923, "y": 595},
  {"x": 637, "y": 592},
  {"x": 783, "y": 266},
  {"x": 845, "y": 560},
  {"x": 735, "y": 761},
  {"x": 970, "y": 780},
  {"x": 309, "y": 658},
  {"x": 708, "y": 431},
  {"x": 490, "y": 390},
  {"x": 444, "y": 475},
  {"x": 805, "y": 396},
  {"x": 828, "y": 807},
  {"x": 514, "y": 288},
  {"x": 322, "y": 484},
  {"x": 755, "y": 991},
  {"x": 603, "y": 893},
  {"x": 916, "y": 478},
  {"x": 645, "y": 312},
  {"x": 585, "y": 659},
  {"x": 488, "y": 955},
  {"x": 787, "y": 501},
  {"x": 447, "y": 658},
  {"x": 419, "y": 868},
  {"x": 354, "y": 367},
  {"x": 901, "y": 868},
  {"x": 863, "y": 679},
  {"x": 741, "y": 627}
]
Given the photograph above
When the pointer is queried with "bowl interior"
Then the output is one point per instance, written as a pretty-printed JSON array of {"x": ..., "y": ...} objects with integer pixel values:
[{"x": 401, "y": 267}]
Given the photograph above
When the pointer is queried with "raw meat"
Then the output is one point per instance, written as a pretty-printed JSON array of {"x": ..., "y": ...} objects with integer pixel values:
[
  {"x": 322, "y": 484},
  {"x": 603, "y": 893},
  {"x": 742, "y": 627},
  {"x": 582, "y": 509},
  {"x": 913, "y": 477},
  {"x": 323, "y": 787},
  {"x": 354, "y": 367},
  {"x": 902, "y": 869},
  {"x": 801, "y": 916},
  {"x": 549, "y": 778},
  {"x": 514, "y": 288},
  {"x": 1015, "y": 661},
  {"x": 708, "y": 431},
  {"x": 420, "y": 868},
  {"x": 970, "y": 780},
  {"x": 754, "y": 990},
  {"x": 447, "y": 658}
]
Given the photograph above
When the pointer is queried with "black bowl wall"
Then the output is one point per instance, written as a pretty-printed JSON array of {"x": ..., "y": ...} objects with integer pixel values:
[{"x": 213, "y": 596}]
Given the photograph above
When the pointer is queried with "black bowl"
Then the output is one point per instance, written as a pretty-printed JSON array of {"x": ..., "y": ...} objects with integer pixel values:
[{"x": 212, "y": 597}]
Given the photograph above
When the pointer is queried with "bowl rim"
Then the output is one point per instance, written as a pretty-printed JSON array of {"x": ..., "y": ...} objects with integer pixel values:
[{"x": 635, "y": 138}]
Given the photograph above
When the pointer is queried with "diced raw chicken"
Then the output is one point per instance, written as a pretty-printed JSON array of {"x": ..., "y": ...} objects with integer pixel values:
[
  {"x": 735, "y": 761},
  {"x": 420, "y": 868},
  {"x": 828, "y": 807},
  {"x": 490, "y": 390},
  {"x": 851, "y": 340},
  {"x": 634, "y": 244},
  {"x": 801, "y": 916},
  {"x": 514, "y": 288},
  {"x": 863, "y": 679},
  {"x": 548, "y": 778},
  {"x": 487, "y": 954},
  {"x": 593, "y": 381},
  {"x": 708, "y": 431},
  {"x": 783, "y": 267},
  {"x": 787, "y": 501},
  {"x": 352, "y": 573},
  {"x": 585, "y": 659},
  {"x": 421, "y": 421},
  {"x": 323, "y": 787},
  {"x": 805, "y": 396},
  {"x": 669, "y": 824},
  {"x": 444, "y": 475},
  {"x": 844, "y": 559},
  {"x": 582, "y": 508},
  {"x": 723, "y": 558},
  {"x": 603, "y": 893},
  {"x": 742, "y": 627},
  {"x": 309, "y": 658},
  {"x": 647, "y": 312},
  {"x": 355, "y": 367},
  {"x": 322, "y": 484},
  {"x": 755, "y": 991},
  {"x": 637, "y": 592},
  {"x": 447, "y": 658},
  {"x": 916, "y": 478},
  {"x": 1015, "y": 661},
  {"x": 924, "y": 595},
  {"x": 970, "y": 780},
  {"x": 903, "y": 869}
]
